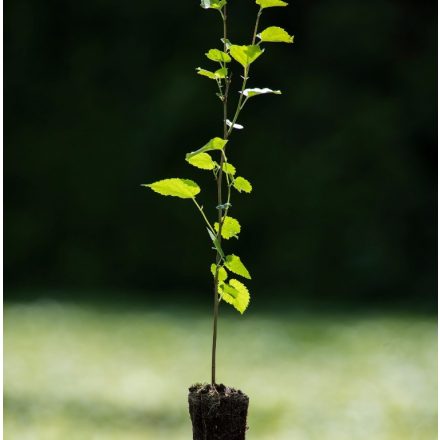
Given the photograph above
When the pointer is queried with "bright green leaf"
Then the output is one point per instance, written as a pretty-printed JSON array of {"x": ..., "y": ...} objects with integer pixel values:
[
  {"x": 245, "y": 55},
  {"x": 236, "y": 294},
  {"x": 228, "y": 293},
  {"x": 242, "y": 184},
  {"x": 257, "y": 91},
  {"x": 202, "y": 160},
  {"x": 222, "y": 274},
  {"x": 183, "y": 188},
  {"x": 229, "y": 168},
  {"x": 275, "y": 34},
  {"x": 221, "y": 73},
  {"x": 212, "y": 4},
  {"x": 207, "y": 73},
  {"x": 214, "y": 144},
  {"x": 231, "y": 227},
  {"x": 234, "y": 264},
  {"x": 243, "y": 298},
  {"x": 270, "y": 3},
  {"x": 218, "y": 55}
]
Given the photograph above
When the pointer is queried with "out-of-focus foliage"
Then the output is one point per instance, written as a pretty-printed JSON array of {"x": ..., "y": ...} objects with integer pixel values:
[
  {"x": 75, "y": 373},
  {"x": 99, "y": 99}
]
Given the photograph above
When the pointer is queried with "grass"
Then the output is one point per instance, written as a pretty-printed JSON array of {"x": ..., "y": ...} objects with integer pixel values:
[{"x": 80, "y": 372}]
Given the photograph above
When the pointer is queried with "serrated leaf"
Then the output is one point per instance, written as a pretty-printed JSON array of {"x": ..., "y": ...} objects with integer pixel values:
[
  {"x": 257, "y": 91},
  {"x": 218, "y": 56},
  {"x": 202, "y": 160},
  {"x": 175, "y": 187},
  {"x": 221, "y": 73},
  {"x": 242, "y": 184},
  {"x": 212, "y": 4},
  {"x": 213, "y": 144},
  {"x": 207, "y": 73},
  {"x": 231, "y": 227},
  {"x": 222, "y": 274},
  {"x": 270, "y": 3},
  {"x": 229, "y": 168},
  {"x": 236, "y": 294},
  {"x": 243, "y": 299},
  {"x": 245, "y": 55},
  {"x": 216, "y": 243},
  {"x": 234, "y": 264},
  {"x": 275, "y": 34}
]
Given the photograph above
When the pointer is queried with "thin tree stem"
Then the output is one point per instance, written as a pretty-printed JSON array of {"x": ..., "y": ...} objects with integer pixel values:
[
  {"x": 219, "y": 178},
  {"x": 220, "y": 211}
]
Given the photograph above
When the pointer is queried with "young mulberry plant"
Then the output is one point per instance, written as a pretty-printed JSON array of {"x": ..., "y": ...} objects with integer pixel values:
[{"x": 227, "y": 269}]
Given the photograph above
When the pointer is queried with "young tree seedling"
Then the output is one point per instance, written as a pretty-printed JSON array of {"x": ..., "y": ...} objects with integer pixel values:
[{"x": 226, "y": 288}]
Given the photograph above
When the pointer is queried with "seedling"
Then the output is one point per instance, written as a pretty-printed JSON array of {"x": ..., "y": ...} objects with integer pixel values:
[{"x": 212, "y": 156}]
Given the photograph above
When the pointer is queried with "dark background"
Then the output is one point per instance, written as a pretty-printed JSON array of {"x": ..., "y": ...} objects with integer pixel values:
[{"x": 101, "y": 96}]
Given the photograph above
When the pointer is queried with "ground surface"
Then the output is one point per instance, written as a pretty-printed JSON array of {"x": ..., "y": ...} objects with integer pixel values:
[{"x": 81, "y": 372}]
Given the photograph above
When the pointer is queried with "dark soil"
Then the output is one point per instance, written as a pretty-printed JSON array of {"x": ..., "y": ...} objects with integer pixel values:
[{"x": 217, "y": 413}]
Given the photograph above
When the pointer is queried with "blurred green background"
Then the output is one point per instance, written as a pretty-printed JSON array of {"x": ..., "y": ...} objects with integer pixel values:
[{"x": 107, "y": 288}]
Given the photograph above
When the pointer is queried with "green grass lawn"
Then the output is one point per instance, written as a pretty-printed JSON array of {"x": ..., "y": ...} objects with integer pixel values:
[{"x": 81, "y": 372}]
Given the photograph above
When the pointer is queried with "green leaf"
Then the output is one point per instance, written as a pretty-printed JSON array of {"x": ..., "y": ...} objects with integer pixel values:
[
  {"x": 257, "y": 91},
  {"x": 183, "y": 188},
  {"x": 270, "y": 3},
  {"x": 226, "y": 42},
  {"x": 214, "y": 144},
  {"x": 221, "y": 73},
  {"x": 218, "y": 55},
  {"x": 218, "y": 74},
  {"x": 216, "y": 243},
  {"x": 229, "y": 168},
  {"x": 212, "y": 4},
  {"x": 231, "y": 227},
  {"x": 207, "y": 73},
  {"x": 222, "y": 274},
  {"x": 245, "y": 55},
  {"x": 242, "y": 184},
  {"x": 236, "y": 294},
  {"x": 234, "y": 264},
  {"x": 202, "y": 160},
  {"x": 275, "y": 34}
]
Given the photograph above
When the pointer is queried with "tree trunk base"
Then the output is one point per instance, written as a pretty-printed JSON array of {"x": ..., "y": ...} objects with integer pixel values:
[{"x": 218, "y": 413}]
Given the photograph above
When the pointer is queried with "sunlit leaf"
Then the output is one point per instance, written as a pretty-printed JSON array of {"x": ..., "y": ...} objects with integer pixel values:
[
  {"x": 214, "y": 144},
  {"x": 242, "y": 184},
  {"x": 245, "y": 55},
  {"x": 183, "y": 188},
  {"x": 229, "y": 168},
  {"x": 234, "y": 264},
  {"x": 221, "y": 73},
  {"x": 275, "y": 34},
  {"x": 231, "y": 227},
  {"x": 218, "y": 55},
  {"x": 270, "y": 3},
  {"x": 222, "y": 274},
  {"x": 212, "y": 4},
  {"x": 202, "y": 160},
  {"x": 236, "y": 294},
  {"x": 257, "y": 91},
  {"x": 207, "y": 73}
]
